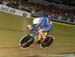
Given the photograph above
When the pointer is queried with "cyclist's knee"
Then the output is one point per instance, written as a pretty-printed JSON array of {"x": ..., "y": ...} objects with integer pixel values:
[{"x": 40, "y": 31}]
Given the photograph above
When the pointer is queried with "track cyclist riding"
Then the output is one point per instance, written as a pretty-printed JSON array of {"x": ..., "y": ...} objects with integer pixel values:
[{"x": 41, "y": 25}]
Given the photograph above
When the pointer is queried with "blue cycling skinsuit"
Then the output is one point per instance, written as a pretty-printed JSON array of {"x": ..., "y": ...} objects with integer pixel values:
[{"x": 45, "y": 25}]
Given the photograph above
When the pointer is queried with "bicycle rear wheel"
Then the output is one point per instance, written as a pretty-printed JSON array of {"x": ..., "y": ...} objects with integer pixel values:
[{"x": 47, "y": 42}]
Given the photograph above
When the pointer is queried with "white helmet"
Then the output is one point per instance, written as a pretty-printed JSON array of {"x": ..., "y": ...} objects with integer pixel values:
[{"x": 37, "y": 20}]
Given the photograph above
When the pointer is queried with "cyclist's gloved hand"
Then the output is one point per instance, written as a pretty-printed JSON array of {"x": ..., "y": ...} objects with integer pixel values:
[{"x": 29, "y": 27}]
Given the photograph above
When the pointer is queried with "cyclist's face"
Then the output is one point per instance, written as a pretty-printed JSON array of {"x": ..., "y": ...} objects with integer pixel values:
[{"x": 36, "y": 25}]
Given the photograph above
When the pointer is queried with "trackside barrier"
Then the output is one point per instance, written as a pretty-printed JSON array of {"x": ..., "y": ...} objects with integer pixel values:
[
  {"x": 14, "y": 11},
  {"x": 55, "y": 19}
]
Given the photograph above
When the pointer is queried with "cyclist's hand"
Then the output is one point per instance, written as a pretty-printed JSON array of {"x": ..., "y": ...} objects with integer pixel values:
[{"x": 29, "y": 27}]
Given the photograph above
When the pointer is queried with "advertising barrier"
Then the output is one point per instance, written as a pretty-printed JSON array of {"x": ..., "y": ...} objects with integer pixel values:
[
  {"x": 14, "y": 11},
  {"x": 55, "y": 19}
]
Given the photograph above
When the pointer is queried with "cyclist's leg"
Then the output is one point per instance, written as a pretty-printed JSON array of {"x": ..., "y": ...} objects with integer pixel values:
[
  {"x": 41, "y": 32},
  {"x": 41, "y": 35}
]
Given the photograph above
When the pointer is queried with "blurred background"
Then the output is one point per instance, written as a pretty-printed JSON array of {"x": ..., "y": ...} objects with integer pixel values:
[{"x": 59, "y": 9}]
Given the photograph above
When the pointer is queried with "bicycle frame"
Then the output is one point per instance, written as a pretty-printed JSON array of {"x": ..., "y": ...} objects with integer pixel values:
[{"x": 36, "y": 36}]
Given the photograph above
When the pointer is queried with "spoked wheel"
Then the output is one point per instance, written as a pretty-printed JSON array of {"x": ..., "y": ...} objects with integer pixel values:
[
  {"x": 26, "y": 41},
  {"x": 47, "y": 42}
]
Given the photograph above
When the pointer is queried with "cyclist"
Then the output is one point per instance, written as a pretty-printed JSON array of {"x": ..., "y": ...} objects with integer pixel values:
[{"x": 41, "y": 25}]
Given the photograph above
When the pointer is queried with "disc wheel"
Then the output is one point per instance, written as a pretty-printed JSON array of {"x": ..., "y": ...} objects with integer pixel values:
[
  {"x": 26, "y": 41},
  {"x": 47, "y": 42}
]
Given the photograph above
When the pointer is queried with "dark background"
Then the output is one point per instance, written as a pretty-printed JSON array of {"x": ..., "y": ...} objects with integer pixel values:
[{"x": 66, "y": 2}]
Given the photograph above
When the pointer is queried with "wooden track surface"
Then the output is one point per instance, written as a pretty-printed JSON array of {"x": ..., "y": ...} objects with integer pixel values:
[{"x": 12, "y": 28}]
